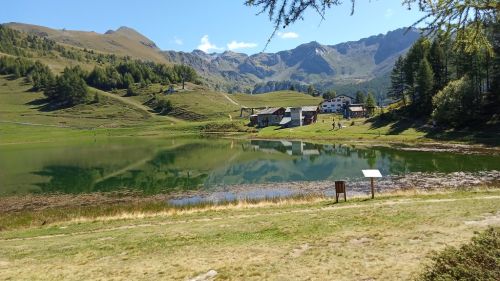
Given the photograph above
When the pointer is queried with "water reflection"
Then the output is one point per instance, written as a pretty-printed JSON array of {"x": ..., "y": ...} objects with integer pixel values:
[{"x": 185, "y": 164}]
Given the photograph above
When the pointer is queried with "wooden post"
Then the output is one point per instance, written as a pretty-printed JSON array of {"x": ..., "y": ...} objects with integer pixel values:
[
  {"x": 372, "y": 174},
  {"x": 373, "y": 189}
]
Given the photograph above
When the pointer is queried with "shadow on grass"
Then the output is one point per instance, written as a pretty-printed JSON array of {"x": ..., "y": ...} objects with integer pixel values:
[
  {"x": 45, "y": 105},
  {"x": 488, "y": 135},
  {"x": 398, "y": 126},
  {"x": 11, "y": 77}
]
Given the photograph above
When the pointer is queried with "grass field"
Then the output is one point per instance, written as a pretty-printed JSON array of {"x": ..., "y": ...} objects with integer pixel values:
[
  {"x": 203, "y": 105},
  {"x": 19, "y": 104},
  {"x": 354, "y": 130},
  {"x": 389, "y": 238},
  {"x": 364, "y": 130},
  {"x": 24, "y": 117}
]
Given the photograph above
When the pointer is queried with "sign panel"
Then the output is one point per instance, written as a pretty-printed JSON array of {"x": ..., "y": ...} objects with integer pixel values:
[{"x": 371, "y": 173}]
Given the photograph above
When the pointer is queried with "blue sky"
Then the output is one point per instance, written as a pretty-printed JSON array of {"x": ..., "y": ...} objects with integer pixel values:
[{"x": 211, "y": 25}]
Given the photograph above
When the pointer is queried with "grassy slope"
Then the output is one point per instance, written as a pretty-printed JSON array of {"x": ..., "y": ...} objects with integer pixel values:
[
  {"x": 209, "y": 104},
  {"x": 280, "y": 98},
  {"x": 118, "y": 115},
  {"x": 359, "y": 131},
  {"x": 23, "y": 117},
  {"x": 199, "y": 103},
  {"x": 124, "y": 43},
  {"x": 19, "y": 104},
  {"x": 386, "y": 239}
]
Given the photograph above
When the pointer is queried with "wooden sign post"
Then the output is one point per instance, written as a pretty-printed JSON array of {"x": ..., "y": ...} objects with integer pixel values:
[{"x": 372, "y": 174}]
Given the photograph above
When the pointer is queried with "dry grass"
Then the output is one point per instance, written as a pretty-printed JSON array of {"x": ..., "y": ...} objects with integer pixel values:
[
  {"x": 386, "y": 239},
  {"x": 31, "y": 211}
]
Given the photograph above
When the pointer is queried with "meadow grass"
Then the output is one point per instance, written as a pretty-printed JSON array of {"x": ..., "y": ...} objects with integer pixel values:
[
  {"x": 355, "y": 130},
  {"x": 23, "y": 118},
  {"x": 389, "y": 238}
]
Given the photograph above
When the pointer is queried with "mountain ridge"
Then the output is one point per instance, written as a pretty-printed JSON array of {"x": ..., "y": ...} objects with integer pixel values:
[
  {"x": 309, "y": 63},
  {"x": 325, "y": 66},
  {"x": 123, "y": 41}
]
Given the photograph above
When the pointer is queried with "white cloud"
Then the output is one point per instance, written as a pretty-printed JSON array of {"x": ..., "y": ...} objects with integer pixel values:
[
  {"x": 178, "y": 41},
  {"x": 388, "y": 13},
  {"x": 206, "y": 46},
  {"x": 240, "y": 45},
  {"x": 288, "y": 35}
]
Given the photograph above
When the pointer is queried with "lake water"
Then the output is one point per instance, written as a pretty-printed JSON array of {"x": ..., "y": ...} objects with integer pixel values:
[{"x": 156, "y": 166}]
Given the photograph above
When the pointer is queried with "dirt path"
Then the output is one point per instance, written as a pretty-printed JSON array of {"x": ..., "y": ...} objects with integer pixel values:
[
  {"x": 231, "y": 100},
  {"x": 258, "y": 214},
  {"x": 34, "y": 124}
]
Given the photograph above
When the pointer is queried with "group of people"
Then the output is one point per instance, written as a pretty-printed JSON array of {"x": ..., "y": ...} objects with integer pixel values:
[{"x": 338, "y": 124}]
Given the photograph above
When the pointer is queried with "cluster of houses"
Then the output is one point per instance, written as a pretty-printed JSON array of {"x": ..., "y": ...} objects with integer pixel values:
[
  {"x": 305, "y": 115},
  {"x": 344, "y": 105},
  {"x": 285, "y": 117}
]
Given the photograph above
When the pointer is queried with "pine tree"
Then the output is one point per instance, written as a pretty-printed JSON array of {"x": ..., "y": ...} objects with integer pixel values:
[
  {"x": 495, "y": 71},
  {"x": 424, "y": 89},
  {"x": 330, "y": 94},
  {"x": 310, "y": 90},
  {"x": 370, "y": 103},
  {"x": 415, "y": 55},
  {"x": 360, "y": 97},
  {"x": 437, "y": 60},
  {"x": 398, "y": 82},
  {"x": 69, "y": 88},
  {"x": 128, "y": 80}
]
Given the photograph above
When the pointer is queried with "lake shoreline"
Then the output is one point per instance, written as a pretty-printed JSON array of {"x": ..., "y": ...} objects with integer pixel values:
[
  {"x": 427, "y": 144},
  {"x": 417, "y": 182}
]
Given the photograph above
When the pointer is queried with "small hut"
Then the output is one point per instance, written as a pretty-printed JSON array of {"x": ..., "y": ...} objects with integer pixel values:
[{"x": 270, "y": 116}]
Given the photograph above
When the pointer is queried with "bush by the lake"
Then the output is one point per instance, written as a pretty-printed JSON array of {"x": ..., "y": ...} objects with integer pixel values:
[
  {"x": 477, "y": 260},
  {"x": 448, "y": 102}
]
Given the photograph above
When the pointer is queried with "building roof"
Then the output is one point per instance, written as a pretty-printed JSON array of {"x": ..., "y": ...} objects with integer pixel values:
[
  {"x": 310, "y": 108},
  {"x": 285, "y": 120},
  {"x": 271, "y": 110},
  {"x": 356, "y": 108},
  {"x": 344, "y": 96}
]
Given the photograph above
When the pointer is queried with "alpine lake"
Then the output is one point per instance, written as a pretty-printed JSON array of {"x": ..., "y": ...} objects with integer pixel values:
[{"x": 194, "y": 169}]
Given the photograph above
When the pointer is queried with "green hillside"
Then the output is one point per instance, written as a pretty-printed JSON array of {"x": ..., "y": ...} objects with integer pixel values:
[
  {"x": 20, "y": 105},
  {"x": 126, "y": 91},
  {"x": 279, "y": 98},
  {"x": 124, "y": 41}
]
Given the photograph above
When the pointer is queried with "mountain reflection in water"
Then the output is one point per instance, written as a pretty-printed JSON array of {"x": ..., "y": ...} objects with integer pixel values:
[{"x": 183, "y": 165}]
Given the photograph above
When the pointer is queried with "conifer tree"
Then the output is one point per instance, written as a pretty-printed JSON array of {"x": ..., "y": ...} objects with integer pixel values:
[
  {"x": 438, "y": 63},
  {"x": 310, "y": 90},
  {"x": 398, "y": 85},
  {"x": 360, "y": 97},
  {"x": 415, "y": 55},
  {"x": 370, "y": 103},
  {"x": 424, "y": 89}
]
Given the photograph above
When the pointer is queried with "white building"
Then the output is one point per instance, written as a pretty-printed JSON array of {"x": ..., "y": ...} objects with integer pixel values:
[{"x": 335, "y": 105}]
